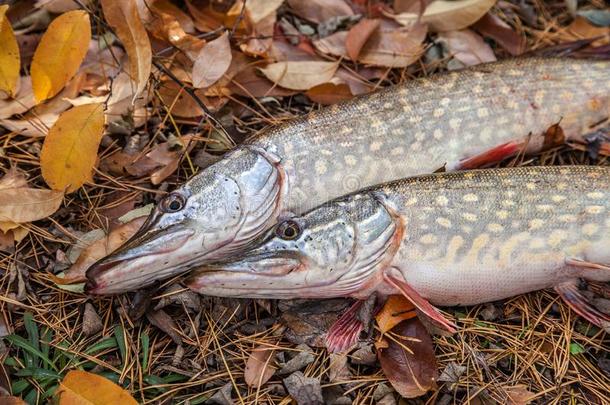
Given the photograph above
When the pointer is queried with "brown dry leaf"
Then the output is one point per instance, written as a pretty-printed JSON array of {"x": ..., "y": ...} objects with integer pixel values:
[
  {"x": 81, "y": 387},
  {"x": 60, "y": 53},
  {"x": 411, "y": 374},
  {"x": 329, "y": 93},
  {"x": 179, "y": 103},
  {"x": 204, "y": 17},
  {"x": 250, "y": 83},
  {"x": 124, "y": 19},
  {"x": 168, "y": 156},
  {"x": 166, "y": 323},
  {"x": 395, "y": 310},
  {"x": 389, "y": 45},
  {"x": 467, "y": 47},
  {"x": 61, "y": 6},
  {"x": 167, "y": 7},
  {"x": 69, "y": 151},
  {"x": 212, "y": 61},
  {"x": 320, "y": 10},
  {"x": 21, "y": 204},
  {"x": 447, "y": 15},
  {"x": 581, "y": 28},
  {"x": 258, "y": 10},
  {"x": 259, "y": 367},
  {"x": 12, "y": 401},
  {"x": 9, "y": 55},
  {"x": 166, "y": 27},
  {"x": 300, "y": 75},
  {"x": 23, "y": 101},
  {"x": 358, "y": 35},
  {"x": 493, "y": 27},
  {"x": 519, "y": 395},
  {"x": 99, "y": 249},
  {"x": 260, "y": 37}
]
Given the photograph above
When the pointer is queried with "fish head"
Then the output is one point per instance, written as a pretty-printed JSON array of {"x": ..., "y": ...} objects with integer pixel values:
[
  {"x": 332, "y": 251},
  {"x": 215, "y": 214}
]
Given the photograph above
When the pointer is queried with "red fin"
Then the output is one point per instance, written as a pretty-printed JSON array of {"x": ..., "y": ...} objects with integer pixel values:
[
  {"x": 490, "y": 156},
  {"x": 344, "y": 333},
  {"x": 568, "y": 291},
  {"x": 420, "y": 303},
  {"x": 587, "y": 265}
]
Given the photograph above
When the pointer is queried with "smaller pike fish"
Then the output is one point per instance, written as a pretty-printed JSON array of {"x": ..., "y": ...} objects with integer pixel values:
[{"x": 446, "y": 239}]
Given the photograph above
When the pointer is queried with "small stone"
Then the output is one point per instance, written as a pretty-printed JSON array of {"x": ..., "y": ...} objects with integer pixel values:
[
  {"x": 222, "y": 396},
  {"x": 92, "y": 323},
  {"x": 364, "y": 354},
  {"x": 304, "y": 390},
  {"x": 381, "y": 391},
  {"x": 298, "y": 362}
]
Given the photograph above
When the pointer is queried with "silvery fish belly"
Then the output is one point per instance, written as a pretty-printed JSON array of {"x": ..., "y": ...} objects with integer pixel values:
[
  {"x": 446, "y": 239},
  {"x": 460, "y": 119}
]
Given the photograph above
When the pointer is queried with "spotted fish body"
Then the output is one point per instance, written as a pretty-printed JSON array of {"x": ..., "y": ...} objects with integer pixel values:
[
  {"x": 406, "y": 130},
  {"x": 456, "y": 238}
]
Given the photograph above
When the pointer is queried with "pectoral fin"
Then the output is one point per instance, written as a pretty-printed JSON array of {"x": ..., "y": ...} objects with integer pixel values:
[
  {"x": 568, "y": 291},
  {"x": 344, "y": 333},
  {"x": 398, "y": 282},
  {"x": 587, "y": 265},
  {"x": 492, "y": 155}
]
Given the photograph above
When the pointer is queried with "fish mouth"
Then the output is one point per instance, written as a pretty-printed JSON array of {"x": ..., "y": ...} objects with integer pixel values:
[{"x": 136, "y": 263}]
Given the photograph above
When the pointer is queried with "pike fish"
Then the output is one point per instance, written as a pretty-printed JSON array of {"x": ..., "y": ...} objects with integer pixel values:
[
  {"x": 457, "y": 120},
  {"x": 444, "y": 239}
]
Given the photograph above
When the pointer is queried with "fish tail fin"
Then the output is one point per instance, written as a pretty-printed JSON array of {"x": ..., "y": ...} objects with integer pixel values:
[{"x": 580, "y": 49}]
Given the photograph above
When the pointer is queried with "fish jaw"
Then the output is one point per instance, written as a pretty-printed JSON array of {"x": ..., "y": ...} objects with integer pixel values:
[{"x": 128, "y": 269}]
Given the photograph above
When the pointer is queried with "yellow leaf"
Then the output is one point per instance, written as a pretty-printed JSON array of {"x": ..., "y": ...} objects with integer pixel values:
[
  {"x": 60, "y": 52},
  {"x": 9, "y": 55},
  {"x": 395, "y": 310},
  {"x": 83, "y": 388},
  {"x": 448, "y": 15},
  {"x": 70, "y": 150},
  {"x": 300, "y": 75},
  {"x": 123, "y": 17}
]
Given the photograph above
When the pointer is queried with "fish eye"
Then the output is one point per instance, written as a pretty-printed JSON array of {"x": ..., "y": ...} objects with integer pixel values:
[
  {"x": 173, "y": 202},
  {"x": 288, "y": 230}
]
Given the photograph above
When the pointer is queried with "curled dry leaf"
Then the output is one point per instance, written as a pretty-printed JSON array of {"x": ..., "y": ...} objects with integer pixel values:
[
  {"x": 358, "y": 35},
  {"x": 467, "y": 47},
  {"x": 82, "y": 387},
  {"x": 60, "y": 52},
  {"x": 493, "y": 27},
  {"x": 250, "y": 83},
  {"x": 395, "y": 310},
  {"x": 21, "y": 204},
  {"x": 168, "y": 155},
  {"x": 411, "y": 373},
  {"x": 259, "y": 367},
  {"x": 320, "y": 10},
  {"x": 300, "y": 75},
  {"x": 69, "y": 151},
  {"x": 98, "y": 249},
  {"x": 9, "y": 55},
  {"x": 167, "y": 7},
  {"x": 260, "y": 38},
  {"x": 447, "y": 15},
  {"x": 212, "y": 61},
  {"x": 124, "y": 19},
  {"x": 258, "y": 10}
]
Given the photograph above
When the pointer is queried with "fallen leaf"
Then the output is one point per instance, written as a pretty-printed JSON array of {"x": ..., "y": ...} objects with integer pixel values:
[
  {"x": 124, "y": 19},
  {"x": 251, "y": 83},
  {"x": 60, "y": 52},
  {"x": 600, "y": 18},
  {"x": 98, "y": 250},
  {"x": 212, "y": 61},
  {"x": 167, "y": 7},
  {"x": 320, "y": 10},
  {"x": 166, "y": 323},
  {"x": 258, "y": 10},
  {"x": 260, "y": 38},
  {"x": 259, "y": 367},
  {"x": 467, "y": 47},
  {"x": 519, "y": 395},
  {"x": 554, "y": 136},
  {"x": 10, "y": 400},
  {"x": 411, "y": 373},
  {"x": 166, "y": 27},
  {"x": 23, "y": 101},
  {"x": 304, "y": 390},
  {"x": 395, "y": 310},
  {"x": 493, "y": 27},
  {"x": 447, "y": 15},
  {"x": 81, "y": 387},
  {"x": 21, "y": 204},
  {"x": 9, "y": 55},
  {"x": 204, "y": 17},
  {"x": 61, "y": 6},
  {"x": 300, "y": 75},
  {"x": 581, "y": 28},
  {"x": 329, "y": 93},
  {"x": 69, "y": 151},
  {"x": 358, "y": 35}
]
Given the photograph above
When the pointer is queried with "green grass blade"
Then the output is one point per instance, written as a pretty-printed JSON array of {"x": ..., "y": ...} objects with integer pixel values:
[
  {"x": 28, "y": 348},
  {"x": 108, "y": 343},
  {"x": 38, "y": 373},
  {"x": 119, "y": 334},
  {"x": 145, "y": 347}
]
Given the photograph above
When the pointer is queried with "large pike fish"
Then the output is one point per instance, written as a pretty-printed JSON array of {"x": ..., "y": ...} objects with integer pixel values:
[
  {"x": 457, "y": 120},
  {"x": 445, "y": 239}
]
